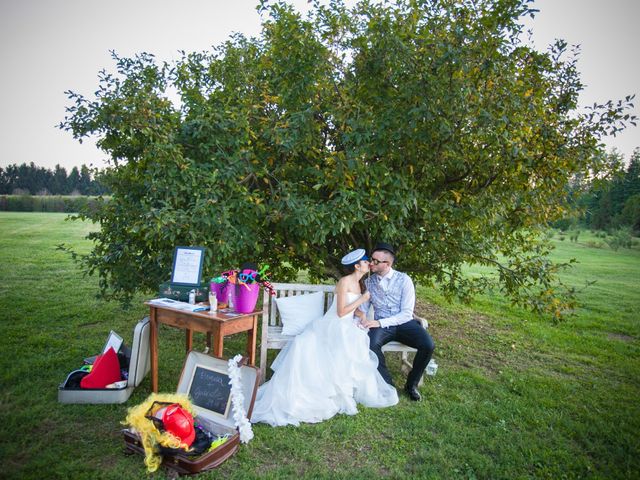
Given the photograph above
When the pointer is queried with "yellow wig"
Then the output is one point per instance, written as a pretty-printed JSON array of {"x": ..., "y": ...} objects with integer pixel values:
[{"x": 150, "y": 436}]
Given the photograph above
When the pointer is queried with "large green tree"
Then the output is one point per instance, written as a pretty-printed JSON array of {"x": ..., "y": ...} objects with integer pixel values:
[{"x": 425, "y": 123}]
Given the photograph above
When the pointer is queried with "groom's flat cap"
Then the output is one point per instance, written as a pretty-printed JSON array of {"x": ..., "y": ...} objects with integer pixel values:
[{"x": 384, "y": 246}]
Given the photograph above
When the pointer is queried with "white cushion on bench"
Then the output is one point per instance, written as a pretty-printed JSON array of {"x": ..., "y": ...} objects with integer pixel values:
[{"x": 297, "y": 312}]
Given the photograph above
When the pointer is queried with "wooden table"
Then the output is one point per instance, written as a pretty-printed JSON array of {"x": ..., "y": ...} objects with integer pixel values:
[{"x": 218, "y": 324}]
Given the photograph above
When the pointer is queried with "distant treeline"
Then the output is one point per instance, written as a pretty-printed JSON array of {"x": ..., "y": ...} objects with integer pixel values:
[
  {"x": 610, "y": 203},
  {"x": 33, "y": 180}
]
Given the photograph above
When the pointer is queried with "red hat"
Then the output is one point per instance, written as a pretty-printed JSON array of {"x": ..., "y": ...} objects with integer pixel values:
[
  {"x": 106, "y": 370},
  {"x": 179, "y": 422}
]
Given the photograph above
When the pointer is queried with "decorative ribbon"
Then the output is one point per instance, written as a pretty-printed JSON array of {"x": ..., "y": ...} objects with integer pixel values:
[{"x": 237, "y": 400}]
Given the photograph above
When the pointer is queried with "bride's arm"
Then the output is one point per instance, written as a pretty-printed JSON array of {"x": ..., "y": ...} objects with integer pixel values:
[{"x": 342, "y": 308}]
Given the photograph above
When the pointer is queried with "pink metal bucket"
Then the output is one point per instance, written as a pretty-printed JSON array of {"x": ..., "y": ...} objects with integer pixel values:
[{"x": 245, "y": 299}]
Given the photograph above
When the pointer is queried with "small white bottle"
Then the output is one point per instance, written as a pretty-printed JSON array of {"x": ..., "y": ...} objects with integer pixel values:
[
  {"x": 192, "y": 297},
  {"x": 213, "y": 302},
  {"x": 230, "y": 298}
]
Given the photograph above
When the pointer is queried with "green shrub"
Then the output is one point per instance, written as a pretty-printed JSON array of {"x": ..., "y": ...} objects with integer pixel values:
[
  {"x": 16, "y": 203},
  {"x": 620, "y": 238},
  {"x": 44, "y": 203},
  {"x": 563, "y": 224}
]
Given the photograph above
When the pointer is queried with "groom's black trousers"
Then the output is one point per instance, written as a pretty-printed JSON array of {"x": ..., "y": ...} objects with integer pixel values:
[{"x": 412, "y": 334}]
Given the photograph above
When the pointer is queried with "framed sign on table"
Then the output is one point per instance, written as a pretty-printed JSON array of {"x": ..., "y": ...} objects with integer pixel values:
[{"x": 187, "y": 266}]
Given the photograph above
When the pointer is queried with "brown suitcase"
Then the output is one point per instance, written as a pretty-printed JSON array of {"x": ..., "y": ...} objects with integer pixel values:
[{"x": 203, "y": 378}]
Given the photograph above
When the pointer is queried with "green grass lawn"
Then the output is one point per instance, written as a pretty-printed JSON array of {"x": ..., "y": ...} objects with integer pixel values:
[{"x": 514, "y": 397}]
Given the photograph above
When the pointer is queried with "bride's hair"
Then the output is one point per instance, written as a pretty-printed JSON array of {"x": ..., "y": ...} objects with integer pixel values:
[{"x": 349, "y": 269}]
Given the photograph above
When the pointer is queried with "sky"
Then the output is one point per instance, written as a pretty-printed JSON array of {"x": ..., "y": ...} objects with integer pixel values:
[{"x": 50, "y": 46}]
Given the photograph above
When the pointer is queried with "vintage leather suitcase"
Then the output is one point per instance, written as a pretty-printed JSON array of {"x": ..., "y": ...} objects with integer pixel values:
[
  {"x": 139, "y": 366},
  {"x": 205, "y": 379},
  {"x": 181, "y": 292}
]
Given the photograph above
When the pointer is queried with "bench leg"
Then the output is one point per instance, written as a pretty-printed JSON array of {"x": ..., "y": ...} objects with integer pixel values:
[
  {"x": 263, "y": 364},
  {"x": 406, "y": 364}
]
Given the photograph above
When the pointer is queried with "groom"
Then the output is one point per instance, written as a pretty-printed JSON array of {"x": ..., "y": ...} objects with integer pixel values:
[{"x": 393, "y": 297}]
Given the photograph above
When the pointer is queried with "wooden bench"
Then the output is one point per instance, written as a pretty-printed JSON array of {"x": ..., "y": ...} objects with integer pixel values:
[{"x": 273, "y": 339}]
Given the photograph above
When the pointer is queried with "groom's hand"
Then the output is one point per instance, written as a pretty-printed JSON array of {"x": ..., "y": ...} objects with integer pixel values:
[{"x": 370, "y": 323}]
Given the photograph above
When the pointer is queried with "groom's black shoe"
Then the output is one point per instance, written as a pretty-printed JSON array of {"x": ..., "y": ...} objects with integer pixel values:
[{"x": 413, "y": 392}]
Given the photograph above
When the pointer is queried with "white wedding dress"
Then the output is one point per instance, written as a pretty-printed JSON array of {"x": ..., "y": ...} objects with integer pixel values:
[{"x": 325, "y": 370}]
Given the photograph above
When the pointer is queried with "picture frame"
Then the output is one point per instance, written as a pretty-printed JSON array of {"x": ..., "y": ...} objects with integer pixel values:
[
  {"x": 187, "y": 266},
  {"x": 113, "y": 340}
]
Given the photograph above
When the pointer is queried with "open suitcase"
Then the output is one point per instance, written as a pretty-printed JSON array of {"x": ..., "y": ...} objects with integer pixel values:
[
  {"x": 205, "y": 379},
  {"x": 139, "y": 366}
]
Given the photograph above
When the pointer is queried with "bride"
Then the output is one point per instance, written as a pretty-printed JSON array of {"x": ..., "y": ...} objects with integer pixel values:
[{"x": 328, "y": 368}]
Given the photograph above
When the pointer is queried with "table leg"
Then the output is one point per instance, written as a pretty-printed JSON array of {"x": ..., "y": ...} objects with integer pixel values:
[
  {"x": 251, "y": 341},
  {"x": 189, "y": 340},
  {"x": 153, "y": 347},
  {"x": 218, "y": 345}
]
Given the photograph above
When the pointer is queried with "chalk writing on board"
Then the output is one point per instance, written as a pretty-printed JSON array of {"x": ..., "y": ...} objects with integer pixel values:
[{"x": 210, "y": 389}]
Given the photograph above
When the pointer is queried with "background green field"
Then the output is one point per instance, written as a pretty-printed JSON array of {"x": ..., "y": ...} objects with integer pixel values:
[{"x": 514, "y": 397}]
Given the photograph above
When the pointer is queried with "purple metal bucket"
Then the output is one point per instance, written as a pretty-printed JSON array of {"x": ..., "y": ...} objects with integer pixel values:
[{"x": 222, "y": 291}]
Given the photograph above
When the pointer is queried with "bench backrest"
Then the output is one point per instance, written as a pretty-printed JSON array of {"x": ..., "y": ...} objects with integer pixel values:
[
  {"x": 270, "y": 314},
  {"x": 271, "y": 318}
]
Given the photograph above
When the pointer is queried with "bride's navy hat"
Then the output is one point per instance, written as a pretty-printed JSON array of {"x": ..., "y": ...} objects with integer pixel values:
[{"x": 354, "y": 257}]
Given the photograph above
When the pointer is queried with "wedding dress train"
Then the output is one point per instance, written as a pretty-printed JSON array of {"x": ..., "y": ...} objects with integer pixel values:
[{"x": 325, "y": 370}]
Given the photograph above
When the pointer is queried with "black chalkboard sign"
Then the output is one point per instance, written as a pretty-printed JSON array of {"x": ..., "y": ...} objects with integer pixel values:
[{"x": 210, "y": 389}]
